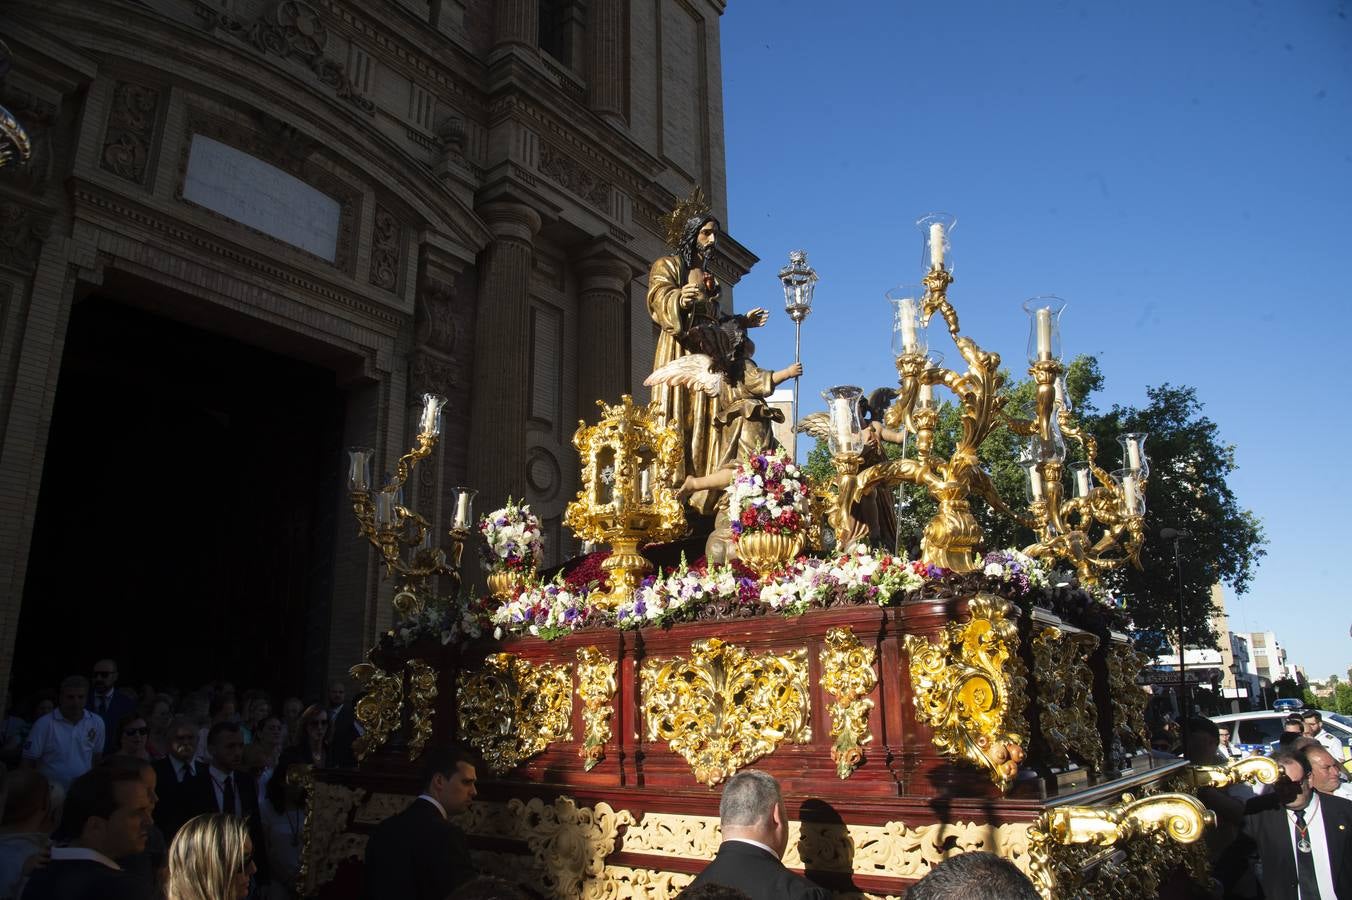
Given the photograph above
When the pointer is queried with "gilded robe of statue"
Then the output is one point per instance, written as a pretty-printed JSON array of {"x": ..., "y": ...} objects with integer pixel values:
[{"x": 692, "y": 410}]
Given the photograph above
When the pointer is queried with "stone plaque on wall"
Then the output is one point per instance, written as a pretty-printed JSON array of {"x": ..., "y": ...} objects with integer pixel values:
[{"x": 263, "y": 197}]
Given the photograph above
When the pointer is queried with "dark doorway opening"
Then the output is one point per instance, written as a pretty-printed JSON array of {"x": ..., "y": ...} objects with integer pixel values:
[{"x": 185, "y": 525}]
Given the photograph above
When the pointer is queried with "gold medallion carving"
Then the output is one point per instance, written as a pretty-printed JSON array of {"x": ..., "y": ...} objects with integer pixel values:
[
  {"x": 969, "y": 688},
  {"x": 378, "y": 709},
  {"x": 511, "y": 709},
  {"x": 723, "y": 708},
  {"x": 848, "y": 675},
  {"x": 1069, "y": 722},
  {"x": 596, "y": 690}
]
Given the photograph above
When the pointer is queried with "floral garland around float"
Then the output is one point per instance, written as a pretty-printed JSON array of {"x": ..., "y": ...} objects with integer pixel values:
[{"x": 768, "y": 494}]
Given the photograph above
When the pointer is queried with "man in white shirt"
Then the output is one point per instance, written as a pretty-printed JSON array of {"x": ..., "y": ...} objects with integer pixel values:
[
  {"x": 68, "y": 741},
  {"x": 1326, "y": 776},
  {"x": 1312, "y": 721},
  {"x": 1304, "y": 838}
]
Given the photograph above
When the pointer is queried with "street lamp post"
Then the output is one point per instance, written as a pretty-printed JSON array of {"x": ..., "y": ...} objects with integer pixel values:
[
  {"x": 1234, "y": 673},
  {"x": 799, "y": 280},
  {"x": 1175, "y": 535}
]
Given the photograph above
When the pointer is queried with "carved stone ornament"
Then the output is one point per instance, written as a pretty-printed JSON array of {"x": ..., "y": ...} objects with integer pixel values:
[
  {"x": 596, "y": 690},
  {"x": 434, "y": 316},
  {"x": 130, "y": 134},
  {"x": 848, "y": 675},
  {"x": 430, "y": 374},
  {"x": 379, "y": 710},
  {"x": 1129, "y": 701},
  {"x": 570, "y": 174},
  {"x": 511, "y": 709},
  {"x": 1119, "y": 852},
  {"x": 294, "y": 30},
  {"x": 385, "y": 250},
  {"x": 1069, "y": 722},
  {"x": 969, "y": 688},
  {"x": 21, "y": 235},
  {"x": 724, "y": 708}
]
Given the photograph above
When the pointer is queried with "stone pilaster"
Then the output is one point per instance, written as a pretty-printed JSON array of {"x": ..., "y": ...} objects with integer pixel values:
[
  {"x": 606, "y": 75},
  {"x": 502, "y": 363},
  {"x": 603, "y": 333},
  {"x": 516, "y": 22}
]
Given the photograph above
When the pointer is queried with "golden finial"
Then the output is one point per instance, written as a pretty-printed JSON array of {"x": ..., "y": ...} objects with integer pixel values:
[{"x": 687, "y": 209}]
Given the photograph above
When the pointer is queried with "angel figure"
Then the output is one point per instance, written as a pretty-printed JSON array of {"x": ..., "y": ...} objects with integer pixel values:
[{"x": 720, "y": 366}]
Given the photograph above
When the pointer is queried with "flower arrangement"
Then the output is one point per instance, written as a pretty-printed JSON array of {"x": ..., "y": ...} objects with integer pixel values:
[
  {"x": 1016, "y": 569},
  {"x": 454, "y": 620},
  {"x": 768, "y": 494},
  {"x": 548, "y": 611},
  {"x": 512, "y": 539}
]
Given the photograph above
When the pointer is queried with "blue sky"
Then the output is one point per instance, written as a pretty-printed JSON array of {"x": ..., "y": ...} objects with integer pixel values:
[{"x": 1180, "y": 173}]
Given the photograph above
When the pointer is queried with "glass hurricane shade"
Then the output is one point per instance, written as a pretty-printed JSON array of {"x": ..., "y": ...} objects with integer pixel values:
[
  {"x": 842, "y": 404},
  {"x": 462, "y": 499},
  {"x": 385, "y": 502},
  {"x": 1082, "y": 476},
  {"x": 1133, "y": 452},
  {"x": 799, "y": 280},
  {"x": 1044, "y": 327},
  {"x": 936, "y": 250},
  {"x": 359, "y": 468},
  {"x": 1133, "y": 496},
  {"x": 1034, "y": 485},
  {"x": 430, "y": 422},
  {"x": 908, "y": 335}
]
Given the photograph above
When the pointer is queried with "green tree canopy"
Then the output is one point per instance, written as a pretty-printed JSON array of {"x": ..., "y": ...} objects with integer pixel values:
[{"x": 1187, "y": 491}]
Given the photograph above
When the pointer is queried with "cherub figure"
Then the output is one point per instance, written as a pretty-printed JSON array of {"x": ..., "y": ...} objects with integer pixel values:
[{"x": 720, "y": 366}]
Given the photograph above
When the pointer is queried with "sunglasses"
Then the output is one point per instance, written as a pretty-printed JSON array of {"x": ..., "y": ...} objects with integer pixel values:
[{"x": 133, "y": 732}]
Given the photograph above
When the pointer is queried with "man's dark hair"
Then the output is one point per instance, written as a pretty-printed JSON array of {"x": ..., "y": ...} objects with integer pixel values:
[
  {"x": 93, "y": 794},
  {"x": 1203, "y": 725},
  {"x": 1285, "y": 755},
  {"x": 1293, "y": 719},
  {"x": 688, "y": 246},
  {"x": 711, "y": 891},
  {"x": 973, "y": 876},
  {"x": 1312, "y": 714},
  {"x": 218, "y": 728},
  {"x": 27, "y": 793},
  {"x": 444, "y": 761}
]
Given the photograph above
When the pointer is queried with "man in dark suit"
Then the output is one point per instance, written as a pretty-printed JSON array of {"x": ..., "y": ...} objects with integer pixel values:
[
  {"x": 755, "y": 829},
  {"x": 106, "y": 817},
  {"x": 173, "y": 773},
  {"x": 108, "y": 703},
  {"x": 224, "y": 787},
  {"x": 418, "y": 854},
  {"x": 1304, "y": 838}
]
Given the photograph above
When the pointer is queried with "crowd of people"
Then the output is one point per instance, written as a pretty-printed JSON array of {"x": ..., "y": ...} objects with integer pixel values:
[{"x": 112, "y": 792}]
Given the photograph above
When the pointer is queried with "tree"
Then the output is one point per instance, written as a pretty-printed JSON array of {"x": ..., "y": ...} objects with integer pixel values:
[{"x": 1187, "y": 490}]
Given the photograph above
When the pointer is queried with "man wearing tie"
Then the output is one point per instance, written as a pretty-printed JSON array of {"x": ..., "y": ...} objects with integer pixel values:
[
  {"x": 1303, "y": 837},
  {"x": 108, "y": 704},
  {"x": 223, "y": 787},
  {"x": 173, "y": 774}
]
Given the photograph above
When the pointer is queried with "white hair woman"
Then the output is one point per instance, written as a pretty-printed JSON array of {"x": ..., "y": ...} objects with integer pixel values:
[{"x": 211, "y": 858}]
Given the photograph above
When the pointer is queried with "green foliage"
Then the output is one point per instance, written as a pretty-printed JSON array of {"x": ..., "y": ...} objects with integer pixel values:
[
  {"x": 1342, "y": 700},
  {"x": 1188, "y": 491}
]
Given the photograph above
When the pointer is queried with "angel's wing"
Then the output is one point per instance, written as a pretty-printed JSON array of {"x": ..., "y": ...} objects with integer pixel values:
[
  {"x": 688, "y": 371},
  {"x": 818, "y": 425}
]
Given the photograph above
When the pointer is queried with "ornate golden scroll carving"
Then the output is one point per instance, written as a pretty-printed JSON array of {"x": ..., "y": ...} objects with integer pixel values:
[
  {"x": 1069, "y": 721},
  {"x": 848, "y": 675},
  {"x": 596, "y": 690},
  {"x": 511, "y": 710},
  {"x": 1129, "y": 701}
]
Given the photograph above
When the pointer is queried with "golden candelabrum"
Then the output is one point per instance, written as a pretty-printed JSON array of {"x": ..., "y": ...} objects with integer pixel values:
[
  {"x": 1112, "y": 506},
  {"x": 405, "y": 539},
  {"x": 629, "y": 460}
]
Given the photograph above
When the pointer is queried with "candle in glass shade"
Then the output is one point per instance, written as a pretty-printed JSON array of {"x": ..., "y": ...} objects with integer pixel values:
[
  {"x": 589, "y": 547},
  {"x": 429, "y": 418},
  {"x": 356, "y": 477},
  {"x": 936, "y": 244},
  {"x": 644, "y": 492},
  {"x": 926, "y": 395},
  {"x": 1133, "y": 455},
  {"x": 908, "y": 341},
  {"x": 462, "y": 510},
  {"x": 1129, "y": 494},
  {"x": 1044, "y": 333},
  {"x": 1035, "y": 482},
  {"x": 1082, "y": 482},
  {"x": 1059, "y": 386},
  {"x": 384, "y": 508},
  {"x": 840, "y": 416}
]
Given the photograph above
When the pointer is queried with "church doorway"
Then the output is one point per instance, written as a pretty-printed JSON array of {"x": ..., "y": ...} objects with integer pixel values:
[{"x": 189, "y": 500}]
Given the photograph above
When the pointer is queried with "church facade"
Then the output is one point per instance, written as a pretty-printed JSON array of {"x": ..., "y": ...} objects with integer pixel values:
[{"x": 385, "y": 199}]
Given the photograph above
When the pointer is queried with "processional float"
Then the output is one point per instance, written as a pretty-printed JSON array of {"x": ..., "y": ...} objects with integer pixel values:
[{"x": 910, "y": 709}]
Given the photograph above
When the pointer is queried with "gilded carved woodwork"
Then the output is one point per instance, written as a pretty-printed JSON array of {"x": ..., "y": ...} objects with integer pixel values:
[
  {"x": 723, "y": 708},
  {"x": 511, "y": 709},
  {"x": 969, "y": 688},
  {"x": 327, "y": 842},
  {"x": 596, "y": 691},
  {"x": 848, "y": 675},
  {"x": 1252, "y": 770},
  {"x": 422, "y": 696},
  {"x": 1069, "y": 719},
  {"x": 570, "y": 843},
  {"x": 1120, "y": 851},
  {"x": 1129, "y": 701},
  {"x": 379, "y": 707}
]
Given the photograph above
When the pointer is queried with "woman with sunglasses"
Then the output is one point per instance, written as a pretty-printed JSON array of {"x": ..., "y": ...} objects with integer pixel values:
[
  {"x": 211, "y": 858},
  {"x": 133, "y": 734}
]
